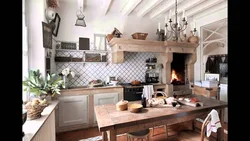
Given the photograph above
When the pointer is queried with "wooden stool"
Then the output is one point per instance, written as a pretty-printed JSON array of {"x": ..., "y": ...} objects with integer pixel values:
[{"x": 142, "y": 134}]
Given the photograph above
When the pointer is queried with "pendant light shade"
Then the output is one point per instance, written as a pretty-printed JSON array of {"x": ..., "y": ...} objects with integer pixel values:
[
  {"x": 79, "y": 13},
  {"x": 80, "y": 18}
]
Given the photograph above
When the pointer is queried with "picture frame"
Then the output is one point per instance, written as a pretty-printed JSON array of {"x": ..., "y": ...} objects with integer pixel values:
[
  {"x": 57, "y": 21},
  {"x": 100, "y": 42},
  {"x": 212, "y": 76},
  {"x": 47, "y": 35}
]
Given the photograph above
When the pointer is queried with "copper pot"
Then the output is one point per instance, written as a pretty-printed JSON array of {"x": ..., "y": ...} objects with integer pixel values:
[{"x": 136, "y": 82}]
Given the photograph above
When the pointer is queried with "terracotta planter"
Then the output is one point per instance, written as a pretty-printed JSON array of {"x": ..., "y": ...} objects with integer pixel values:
[{"x": 193, "y": 38}]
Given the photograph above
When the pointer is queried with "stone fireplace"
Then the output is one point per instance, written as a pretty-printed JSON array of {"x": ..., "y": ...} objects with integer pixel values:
[
  {"x": 178, "y": 71},
  {"x": 166, "y": 49}
]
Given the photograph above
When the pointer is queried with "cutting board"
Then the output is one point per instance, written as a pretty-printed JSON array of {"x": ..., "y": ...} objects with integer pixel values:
[{"x": 193, "y": 104}]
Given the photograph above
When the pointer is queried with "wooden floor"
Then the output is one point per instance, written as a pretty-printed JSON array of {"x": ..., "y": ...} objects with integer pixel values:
[{"x": 92, "y": 132}]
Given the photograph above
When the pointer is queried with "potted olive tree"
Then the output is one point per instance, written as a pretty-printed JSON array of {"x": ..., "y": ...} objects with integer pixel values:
[{"x": 43, "y": 87}]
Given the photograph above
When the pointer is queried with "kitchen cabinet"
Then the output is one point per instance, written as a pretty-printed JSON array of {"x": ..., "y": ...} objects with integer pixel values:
[
  {"x": 76, "y": 106},
  {"x": 73, "y": 110},
  {"x": 105, "y": 98},
  {"x": 223, "y": 97}
]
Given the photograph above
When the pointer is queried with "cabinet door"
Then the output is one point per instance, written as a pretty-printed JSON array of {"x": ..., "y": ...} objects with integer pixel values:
[
  {"x": 73, "y": 110},
  {"x": 223, "y": 97},
  {"x": 107, "y": 98}
]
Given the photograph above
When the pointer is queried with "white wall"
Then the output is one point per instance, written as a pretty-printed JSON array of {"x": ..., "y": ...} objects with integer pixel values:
[
  {"x": 204, "y": 18},
  {"x": 97, "y": 23},
  {"x": 35, "y": 15}
]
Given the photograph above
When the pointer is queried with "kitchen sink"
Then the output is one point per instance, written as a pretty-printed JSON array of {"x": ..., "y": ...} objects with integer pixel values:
[
  {"x": 78, "y": 87},
  {"x": 98, "y": 86}
]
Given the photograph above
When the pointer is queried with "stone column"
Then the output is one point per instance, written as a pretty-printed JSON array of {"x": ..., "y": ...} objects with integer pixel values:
[
  {"x": 166, "y": 59},
  {"x": 191, "y": 59}
]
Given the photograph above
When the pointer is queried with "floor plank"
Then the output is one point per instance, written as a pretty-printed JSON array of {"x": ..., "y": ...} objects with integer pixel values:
[{"x": 77, "y": 135}]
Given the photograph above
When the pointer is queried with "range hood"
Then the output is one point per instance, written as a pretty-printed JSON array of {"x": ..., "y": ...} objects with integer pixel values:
[{"x": 121, "y": 45}]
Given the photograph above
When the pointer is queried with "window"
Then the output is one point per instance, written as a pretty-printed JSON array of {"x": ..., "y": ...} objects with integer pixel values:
[{"x": 25, "y": 62}]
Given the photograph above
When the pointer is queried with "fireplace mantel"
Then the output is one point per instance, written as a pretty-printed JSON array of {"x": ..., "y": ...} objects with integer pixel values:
[{"x": 121, "y": 45}]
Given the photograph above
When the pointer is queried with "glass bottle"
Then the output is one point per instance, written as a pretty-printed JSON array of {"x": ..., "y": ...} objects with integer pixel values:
[{"x": 143, "y": 101}]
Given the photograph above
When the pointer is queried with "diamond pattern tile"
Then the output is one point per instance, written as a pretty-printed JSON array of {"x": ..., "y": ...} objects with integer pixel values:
[{"x": 132, "y": 68}]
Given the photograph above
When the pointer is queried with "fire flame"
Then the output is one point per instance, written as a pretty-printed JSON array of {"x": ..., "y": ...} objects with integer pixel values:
[{"x": 174, "y": 76}]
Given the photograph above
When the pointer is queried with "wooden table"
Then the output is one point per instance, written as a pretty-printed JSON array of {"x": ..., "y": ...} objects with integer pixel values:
[{"x": 114, "y": 122}]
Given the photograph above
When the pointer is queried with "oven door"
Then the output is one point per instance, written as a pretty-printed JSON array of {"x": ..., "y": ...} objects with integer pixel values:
[{"x": 132, "y": 94}]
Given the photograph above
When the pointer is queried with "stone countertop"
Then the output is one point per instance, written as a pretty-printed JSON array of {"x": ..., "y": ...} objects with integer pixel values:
[
  {"x": 90, "y": 88},
  {"x": 31, "y": 127},
  {"x": 79, "y": 88}
]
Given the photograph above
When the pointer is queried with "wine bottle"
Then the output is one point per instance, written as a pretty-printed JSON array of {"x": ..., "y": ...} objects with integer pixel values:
[{"x": 143, "y": 101}]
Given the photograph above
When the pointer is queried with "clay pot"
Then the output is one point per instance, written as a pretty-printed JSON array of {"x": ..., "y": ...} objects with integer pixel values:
[{"x": 193, "y": 38}]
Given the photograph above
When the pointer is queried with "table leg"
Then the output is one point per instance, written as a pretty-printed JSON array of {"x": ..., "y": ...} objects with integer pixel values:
[
  {"x": 104, "y": 136},
  {"x": 220, "y": 131},
  {"x": 112, "y": 135}
]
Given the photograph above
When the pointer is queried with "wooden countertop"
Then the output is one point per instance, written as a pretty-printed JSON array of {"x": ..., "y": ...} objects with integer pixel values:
[
  {"x": 31, "y": 127},
  {"x": 108, "y": 118}
]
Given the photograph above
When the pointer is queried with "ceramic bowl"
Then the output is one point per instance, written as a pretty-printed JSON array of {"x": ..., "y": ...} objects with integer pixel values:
[
  {"x": 114, "y": 82},
  {"x": 135, "y": 108}
]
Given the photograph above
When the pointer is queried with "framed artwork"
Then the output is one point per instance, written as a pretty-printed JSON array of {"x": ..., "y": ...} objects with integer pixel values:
[
  {"x": 56, "y": 20},
  {"x": 212, "y": 76},
  {"x": 47, "y": 35}
]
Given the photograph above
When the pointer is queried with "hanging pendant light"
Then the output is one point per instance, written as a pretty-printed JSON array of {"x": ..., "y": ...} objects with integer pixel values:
[
  {"x": 79, "y": 13},
  {"x": 80, "y": 18}
]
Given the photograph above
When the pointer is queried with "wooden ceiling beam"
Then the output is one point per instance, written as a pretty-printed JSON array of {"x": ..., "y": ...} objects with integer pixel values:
[
  {"x": 148, "y": 7},
  {"x": 163, "y": 8},
  {"x": 130, "y": 6},
  {"x": 186, "y": 5},
  {"x": 106, "y": 6},
  {"x": 205, "y": 5}
]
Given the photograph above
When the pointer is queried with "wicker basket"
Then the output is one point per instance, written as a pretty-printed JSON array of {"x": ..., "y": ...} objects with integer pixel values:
[
  {"x": 158, "y": 100},
  {"x": 140, "y": 36},
  {"x": 34, "y": 111},
  {"x": 122, "y": 105},
  {"x": 76, "y": 59},
  {"x": 62, "y": 59}
]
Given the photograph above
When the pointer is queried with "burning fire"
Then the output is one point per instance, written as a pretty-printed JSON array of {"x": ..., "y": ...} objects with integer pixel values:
[{"x": 174, "y": 76}]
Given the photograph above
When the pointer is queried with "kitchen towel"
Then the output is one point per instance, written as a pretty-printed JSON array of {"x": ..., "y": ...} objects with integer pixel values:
[
  {"x": 214, "y": 124},
  {"x": 148, "y": 91}
]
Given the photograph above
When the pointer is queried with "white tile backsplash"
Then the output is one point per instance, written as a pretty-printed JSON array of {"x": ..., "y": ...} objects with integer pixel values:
[{"x": 134, "y": 67}]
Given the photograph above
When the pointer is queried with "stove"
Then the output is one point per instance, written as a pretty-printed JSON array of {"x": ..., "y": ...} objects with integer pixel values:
[{"x": 132, "y": 92}]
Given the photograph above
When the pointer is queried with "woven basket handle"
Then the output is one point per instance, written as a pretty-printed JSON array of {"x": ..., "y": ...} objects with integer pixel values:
[{"x": 157, "y": 92}]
